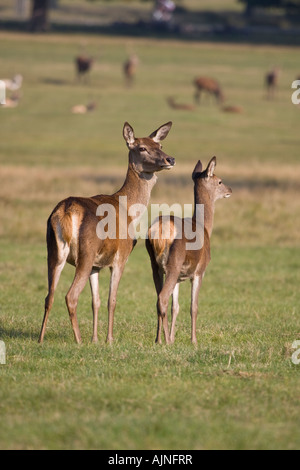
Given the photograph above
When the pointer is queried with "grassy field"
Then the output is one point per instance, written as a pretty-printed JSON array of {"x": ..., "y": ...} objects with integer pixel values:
[{"x": 239, "y": 388}]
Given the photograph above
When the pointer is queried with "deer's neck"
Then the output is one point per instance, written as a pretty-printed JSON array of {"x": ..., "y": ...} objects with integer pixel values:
[
  {"x": 202, "y": 196},
  {"x": 137, "y": 187}
]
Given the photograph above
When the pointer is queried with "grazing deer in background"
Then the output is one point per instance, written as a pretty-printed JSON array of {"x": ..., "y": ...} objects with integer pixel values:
[
  {"x": 232, "y": 109},
  {"x": 72, "y": 230},
  {"x": 84, "y": 108},
  {"x": 13, "y": 84},
  {"x": 170, "y": 255},
  {"x": 210, "y": 86},
  {"x": 182, "y": 106},
  {"x": 83, "y": 65},
  {"x": 129, "y": 69},
  {"x": 12, "y": 102},
  {"x": 271, "y": 82}
]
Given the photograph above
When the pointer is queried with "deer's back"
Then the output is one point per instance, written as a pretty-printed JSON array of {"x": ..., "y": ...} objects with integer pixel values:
[
  {"x": 167, "y": 236},
  {"x": 206, "y": 83},
  {"x": 74, "y": 221}
]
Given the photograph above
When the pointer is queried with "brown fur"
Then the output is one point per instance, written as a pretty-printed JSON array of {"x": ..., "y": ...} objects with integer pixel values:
[
  {"x": 271, "y": 82},
  {"x": 210, "y": 86},
  {"x": 171, "y": 258},
  {"x": 72, "y": 230},
  {"x": 129, "y": 69},
  {"x": 232, "y": 109},
  {"x": 83, "y": 65},
  {"x": 182, "y": 106}
]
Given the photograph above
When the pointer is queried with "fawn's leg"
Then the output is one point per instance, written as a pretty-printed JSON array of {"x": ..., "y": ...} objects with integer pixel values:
[
  {"x": 174, "y": 311},
  {"x": 94, "y": 283},
  {"x": 196, "y": 284}
]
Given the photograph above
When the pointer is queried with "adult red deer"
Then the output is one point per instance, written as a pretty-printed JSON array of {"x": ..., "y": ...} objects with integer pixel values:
[
  {"x": 209, "y": 86},
  {"x": 129, "y": 69},
  {"x": 172, "y": 256},
  {"x": 83, "y": 65},
  {"x": 73, "y": 237},
  {"x": 271, "y": 81}
]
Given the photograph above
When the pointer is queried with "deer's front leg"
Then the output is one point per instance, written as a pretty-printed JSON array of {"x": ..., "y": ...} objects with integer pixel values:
[
  {"x": 196, "y": 284},
  {"x": 163, "y": 302},
  {"x": 80, "y": 279},
  {"x": 94, "y": 283},
  {"x": 116, "y": 274}
]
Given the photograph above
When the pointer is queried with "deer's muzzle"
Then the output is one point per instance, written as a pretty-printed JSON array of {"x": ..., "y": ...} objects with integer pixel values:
[
  {"x": 228, "y": 192},
  {"x": 170, "y": 162}
]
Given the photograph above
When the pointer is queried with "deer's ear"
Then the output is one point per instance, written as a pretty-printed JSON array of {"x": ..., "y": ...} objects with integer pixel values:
[
  {"x": 161, "y": 133},
  {"x": 128, "y": 134},
  {"x": 197, "y": 170},
  {"x": 211, "y": 167}
]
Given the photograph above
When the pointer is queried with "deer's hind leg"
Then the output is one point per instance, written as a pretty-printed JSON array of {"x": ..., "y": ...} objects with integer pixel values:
[
  {"x": 94, "y": 283},
  {"x": 174, "y": 311},
  {"x": 57, "y": 255},
  {"x": 195, "y": 288},
  {"x": 158, "y": 278}
]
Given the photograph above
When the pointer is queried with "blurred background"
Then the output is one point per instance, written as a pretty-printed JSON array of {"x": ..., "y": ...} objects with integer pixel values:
[
  {"x": 76, "y": 70},
  {"x": 188, "y": 18}
]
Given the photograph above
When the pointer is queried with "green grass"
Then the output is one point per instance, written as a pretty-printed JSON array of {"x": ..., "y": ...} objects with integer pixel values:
[
  {"x": 44, "y": 129},
  {"x": 127, "y": 396},
  {"x": 239, "y": 388}
]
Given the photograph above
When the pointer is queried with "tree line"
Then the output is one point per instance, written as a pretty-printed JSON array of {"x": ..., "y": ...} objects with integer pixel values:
[{"x": 40, "y": 10}]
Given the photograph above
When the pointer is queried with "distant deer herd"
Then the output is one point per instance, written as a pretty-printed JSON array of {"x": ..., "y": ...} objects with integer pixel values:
[{"x": 203, "y": 86}]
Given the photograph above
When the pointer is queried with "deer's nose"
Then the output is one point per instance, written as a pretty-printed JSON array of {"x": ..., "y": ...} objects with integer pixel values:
[
  {"x": 229, "y": 192},
  {"x": 171, "y": 160}
]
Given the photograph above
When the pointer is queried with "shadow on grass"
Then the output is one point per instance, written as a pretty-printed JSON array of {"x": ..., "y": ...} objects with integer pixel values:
[
  {"x": 17, "y": 333},
  {"x": 55, "y": 81},
  {"x": 29, "y": 333}
]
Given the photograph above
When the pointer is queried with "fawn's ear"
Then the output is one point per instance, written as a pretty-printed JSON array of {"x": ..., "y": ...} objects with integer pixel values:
[
  {"x": 211, "y": 167},
  {"x": 128, "y": 134},
  {"x": 161, "y": 133},
  {"x": 197, "y": 170}
]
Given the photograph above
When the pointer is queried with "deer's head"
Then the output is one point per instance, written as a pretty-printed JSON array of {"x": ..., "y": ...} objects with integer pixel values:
[
  {"x": 145, "y": 154},
  {"x": 209, "y": 181}
]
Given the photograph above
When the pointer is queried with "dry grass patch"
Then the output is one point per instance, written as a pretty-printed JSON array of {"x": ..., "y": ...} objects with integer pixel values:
[{"x": 262, "y": 209}]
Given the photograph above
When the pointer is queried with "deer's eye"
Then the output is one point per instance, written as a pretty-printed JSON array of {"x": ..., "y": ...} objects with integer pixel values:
[
  {"x": 142, "y": 149},
  {"x": 220, "y": 182}
]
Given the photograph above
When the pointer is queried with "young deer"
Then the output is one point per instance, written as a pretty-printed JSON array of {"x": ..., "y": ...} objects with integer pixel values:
[
  {"x": 72, "y": 230},
  {"x": 170, "y": 255}
]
